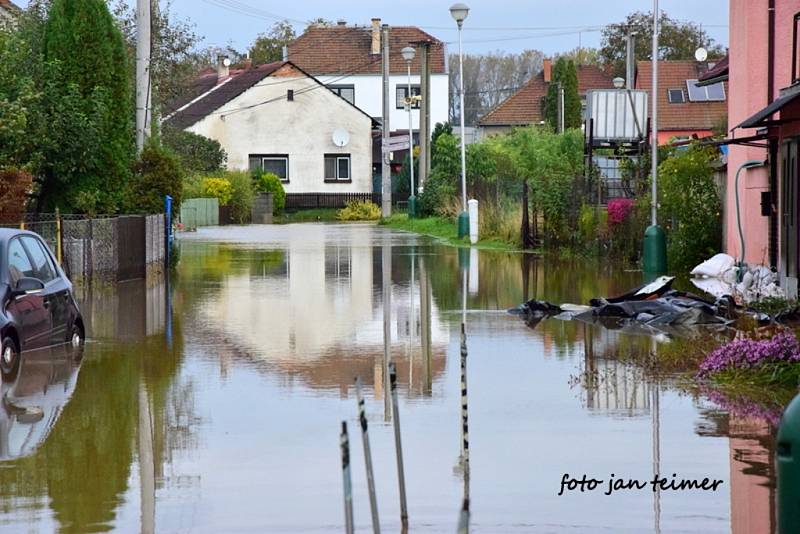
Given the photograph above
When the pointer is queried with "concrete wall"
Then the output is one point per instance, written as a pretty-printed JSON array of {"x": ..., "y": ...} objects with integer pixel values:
[
  {"x": 369, "y": 97},
  {"x": 301, "y": 128}
]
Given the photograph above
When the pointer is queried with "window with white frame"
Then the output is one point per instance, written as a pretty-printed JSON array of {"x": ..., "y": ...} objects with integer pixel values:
[
  {"x": 707, "y": 93},
  {"x": 277, "y": 164},
  {"x": 337, "y": 168}
]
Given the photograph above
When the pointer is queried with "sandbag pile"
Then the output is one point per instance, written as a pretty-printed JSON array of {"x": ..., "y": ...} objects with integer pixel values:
[{"x": 719, "y": 276}]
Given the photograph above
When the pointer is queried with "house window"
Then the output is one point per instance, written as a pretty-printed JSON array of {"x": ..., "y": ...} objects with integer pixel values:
[
  {"x": 337, "y": 168},
  {"x": 676, "y": 96},
  {"x": 348, "y": 92},
  {"x": 277, "y": 164},
  {"x": 402, "y": 93},
  {"x": 708, "y": 93}
]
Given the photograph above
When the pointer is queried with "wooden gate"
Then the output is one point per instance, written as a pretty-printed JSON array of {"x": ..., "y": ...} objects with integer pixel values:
[{"x": 131, "y": 253}]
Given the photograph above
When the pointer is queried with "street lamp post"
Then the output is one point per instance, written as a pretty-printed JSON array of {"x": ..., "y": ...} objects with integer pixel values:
[
  {"x": 459, "y": 12},
  {"x": 654, "y": 258},
  {"x": 408, "y": 54}
]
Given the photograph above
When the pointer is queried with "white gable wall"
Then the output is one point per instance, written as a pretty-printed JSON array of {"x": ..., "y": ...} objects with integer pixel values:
[
  {"x": 301, "y": 128},
  {"x": 369, "y": 96}
]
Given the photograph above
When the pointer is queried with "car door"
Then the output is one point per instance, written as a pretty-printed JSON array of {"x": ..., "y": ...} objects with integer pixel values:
[
  {"x": 29, "y": 310},
  {"x": 55, "y": 288}
]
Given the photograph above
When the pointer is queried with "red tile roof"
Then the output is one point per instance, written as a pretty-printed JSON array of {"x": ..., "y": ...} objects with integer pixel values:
[
  {"x": 9, "y": 5},
  {"x": 686, "y": 116},
  {"x": 347, "y": 49},
  {"x": 526, "y": 105}
]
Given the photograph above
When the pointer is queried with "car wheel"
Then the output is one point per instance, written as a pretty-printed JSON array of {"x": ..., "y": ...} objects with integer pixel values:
[{"x": 9, "y": 358}]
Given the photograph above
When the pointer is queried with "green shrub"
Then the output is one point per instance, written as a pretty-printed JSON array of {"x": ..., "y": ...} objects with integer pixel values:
[
  {"x": 157, "y": 173},
  {"x": 270, "y": 183},
  {"x": 359, "y": 210},
  {"x": 193, "y": 186},
  {"x": 690, "y": 198},
  {"x": 218, "y": 188},
  {"x": 436, "y": 193},
  {"x": 197, "y": 153},
  {"x": 242, "y": 195}
]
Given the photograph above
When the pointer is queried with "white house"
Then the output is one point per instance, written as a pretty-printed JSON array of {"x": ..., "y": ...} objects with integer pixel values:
[
  {"x": 8, "y": 11},
  {"x": 348, "y": 59},
  {"x": 279, "y": 119}
]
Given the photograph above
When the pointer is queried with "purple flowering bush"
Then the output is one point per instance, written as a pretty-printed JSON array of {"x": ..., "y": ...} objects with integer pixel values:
[
  {"x": 618, "y": 211},
  {"x": 778, "y": 357}
]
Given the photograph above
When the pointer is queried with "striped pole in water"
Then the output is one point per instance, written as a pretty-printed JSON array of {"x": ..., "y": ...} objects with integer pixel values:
[
  {"x": 464, "y": 414},
  {"x": 373, "y": 501},
  {"x": 398, "y": 446},
  {"x": 348, "y": 484}
]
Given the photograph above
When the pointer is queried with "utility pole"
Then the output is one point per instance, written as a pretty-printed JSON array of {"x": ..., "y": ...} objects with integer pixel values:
[
  {"x": 386, "y": 171},
  {"x": 424, "y": 113},
  {"x": 143, "y": 44},
  {"x": 630, "y": 59}
]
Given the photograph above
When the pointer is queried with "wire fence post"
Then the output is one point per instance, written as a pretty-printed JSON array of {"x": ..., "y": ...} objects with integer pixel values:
[
  {"x": 401, "y": 477},
  {"x": 346, "y": 479},
  {"x": 373, "y": 501},
  {"x": 58, "y": 236}
]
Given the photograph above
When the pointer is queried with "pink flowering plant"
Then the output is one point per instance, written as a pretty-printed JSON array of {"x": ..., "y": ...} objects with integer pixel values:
[
  {"x": 619, "y": 209},
  {"x": 775, "y": 360}
]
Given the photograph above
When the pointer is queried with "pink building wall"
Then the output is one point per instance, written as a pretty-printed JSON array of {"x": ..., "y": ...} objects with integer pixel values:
[{"x": 749, "y": 46}]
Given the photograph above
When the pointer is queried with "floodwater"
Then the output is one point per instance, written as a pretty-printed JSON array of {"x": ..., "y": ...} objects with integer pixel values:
[{"x": 213, "y": 402}]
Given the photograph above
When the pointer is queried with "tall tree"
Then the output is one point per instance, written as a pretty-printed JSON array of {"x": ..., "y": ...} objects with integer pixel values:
[
  {"x": 677, "y": 40},
  {"x": 582, "y": 56},
  {"x": 489, "y": 79},
  {"x": 566, "y": 74},
  {"x": 88, "y": 96},
  {"x": 268, "y": 47}
]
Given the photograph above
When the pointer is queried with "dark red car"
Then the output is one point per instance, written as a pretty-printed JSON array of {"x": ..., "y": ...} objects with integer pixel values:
[{"x": 38, "y": 308}]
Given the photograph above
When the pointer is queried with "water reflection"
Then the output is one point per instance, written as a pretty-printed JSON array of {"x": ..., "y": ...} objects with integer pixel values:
[
  {"x": 231, "y": 424},
  {"x": 32, "y": 402}
]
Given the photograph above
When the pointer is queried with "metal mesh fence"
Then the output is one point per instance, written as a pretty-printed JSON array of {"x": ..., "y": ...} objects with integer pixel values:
[{"x": 90, "y": 247}]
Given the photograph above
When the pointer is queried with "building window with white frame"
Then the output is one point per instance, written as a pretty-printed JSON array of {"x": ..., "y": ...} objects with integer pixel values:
[
  {"x": 337, "y": 168},
  {"x": 348, "y": 92},
  {"x": 402, "y": 93},
  {"x": 277, "y": 164}
]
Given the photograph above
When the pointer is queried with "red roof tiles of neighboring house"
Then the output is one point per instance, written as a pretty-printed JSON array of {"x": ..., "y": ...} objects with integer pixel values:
[
  {"x": 718, "y": 73},
  {"x": 347, "y": 49},
  {"x": 681, "y": 116},
  {"x": 526, "y": 105},
  {"x": 8, "y": 4},
  {"x": 201, "y": 101}
]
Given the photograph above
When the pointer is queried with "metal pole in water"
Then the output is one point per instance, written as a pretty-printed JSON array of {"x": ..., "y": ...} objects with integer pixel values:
[
  {"x": 401, "y": 477},
  {"x": 348, "y": 483},
  {"x": 373, "y": 501},
  {"x": 463, "y": 518}
]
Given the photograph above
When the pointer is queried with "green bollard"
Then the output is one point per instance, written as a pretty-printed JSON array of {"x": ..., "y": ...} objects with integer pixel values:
[
  {"x": 412, "y": 207},
  {"x": 463, "y": 258},
  {"x": 788, "y": 460},
  {"x": 655, "y": 250},
  {"x": 463, "y": 224}
]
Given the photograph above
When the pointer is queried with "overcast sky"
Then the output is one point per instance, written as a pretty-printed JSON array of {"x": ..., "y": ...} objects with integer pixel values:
[{"x": 509, "y": 25}]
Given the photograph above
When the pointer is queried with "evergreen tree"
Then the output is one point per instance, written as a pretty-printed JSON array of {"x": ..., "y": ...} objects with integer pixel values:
[
  {"x": 88, "y": 77},
  {"x": 566, "y": 73}
]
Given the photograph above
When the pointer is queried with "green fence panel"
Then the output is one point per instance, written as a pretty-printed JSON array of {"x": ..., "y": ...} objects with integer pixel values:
[{"x": 196, "y": 212}]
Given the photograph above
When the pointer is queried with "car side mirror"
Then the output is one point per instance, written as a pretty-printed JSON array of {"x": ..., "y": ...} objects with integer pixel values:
[{"x": 27, "y": 286}]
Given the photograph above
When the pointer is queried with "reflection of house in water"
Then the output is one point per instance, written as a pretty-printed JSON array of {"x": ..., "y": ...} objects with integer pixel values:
[
  {"x": 752, "y": 459},
  {"x": 613, "y": 386},
  {"x": 319, "y": 314}
]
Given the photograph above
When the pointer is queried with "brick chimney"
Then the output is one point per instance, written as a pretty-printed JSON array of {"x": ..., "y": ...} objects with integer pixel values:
[
  {"x": 547, "y": 70},
  {"x": 376, "y": 36}
]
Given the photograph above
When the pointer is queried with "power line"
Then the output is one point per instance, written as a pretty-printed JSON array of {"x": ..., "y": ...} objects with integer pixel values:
[{"x": 246, "y": 9}]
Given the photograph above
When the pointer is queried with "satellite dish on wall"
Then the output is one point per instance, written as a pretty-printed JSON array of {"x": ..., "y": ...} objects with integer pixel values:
[
  {"x": 340, "y": 137},
  {"x": 701, "y": 54}
]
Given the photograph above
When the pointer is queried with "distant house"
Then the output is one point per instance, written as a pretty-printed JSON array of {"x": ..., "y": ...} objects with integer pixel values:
[
  {"x": 278, "y": 118},
  {"x": 685, "y": 109},
  {"x": 526, "y": 106},
  {"x": 348, "y": 59},
  {"x": 8, "y": 10}
]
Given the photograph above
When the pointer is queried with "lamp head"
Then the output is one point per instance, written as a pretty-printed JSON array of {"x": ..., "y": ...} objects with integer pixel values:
[
  {"x": 459, "y": 12},
  {"x": 618, "y": 82},
  {"x": 408, "y": 53},
  {"x": 752, "y": 163}
]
